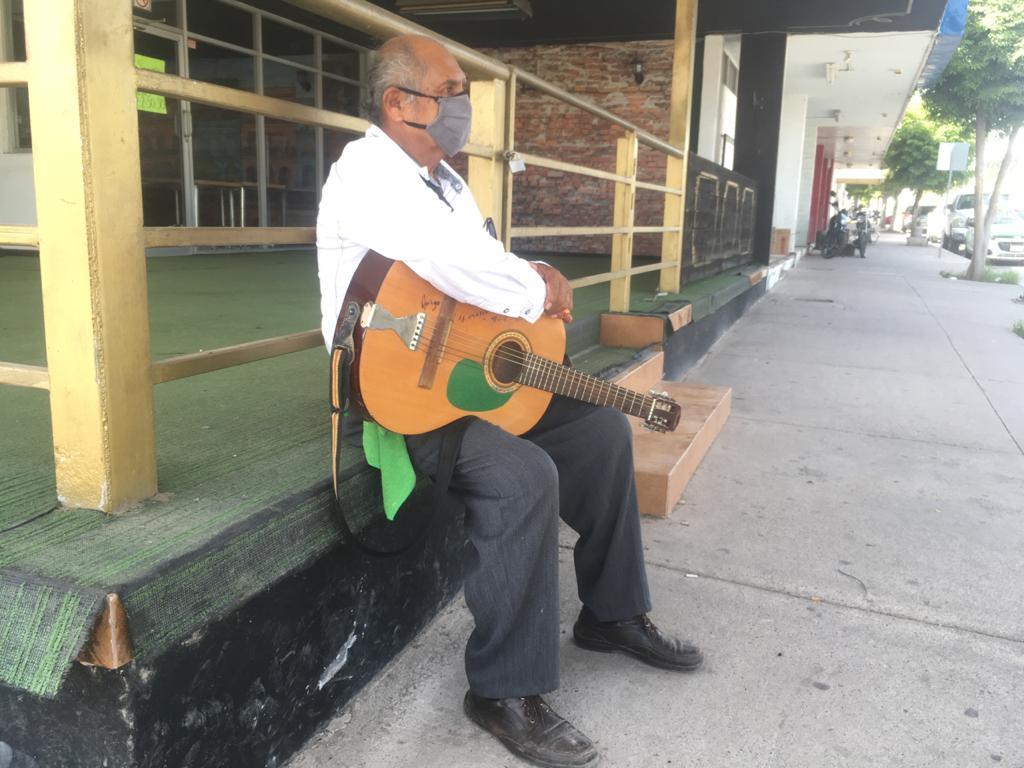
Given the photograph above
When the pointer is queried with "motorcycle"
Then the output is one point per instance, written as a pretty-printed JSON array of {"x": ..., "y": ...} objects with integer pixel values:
[
  {"x": 846, "y": 234},
  {"x": 874, "y": 226}
]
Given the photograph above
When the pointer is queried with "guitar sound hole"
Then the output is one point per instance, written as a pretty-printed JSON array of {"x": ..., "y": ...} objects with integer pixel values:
[{"x": 507, "y": 363}]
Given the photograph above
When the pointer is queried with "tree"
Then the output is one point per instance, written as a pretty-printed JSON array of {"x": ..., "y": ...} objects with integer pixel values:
[
  {"x": 982, "y": 89},
  {"x": 859, "y": 192},
  {"x": 912, "y": 153}
]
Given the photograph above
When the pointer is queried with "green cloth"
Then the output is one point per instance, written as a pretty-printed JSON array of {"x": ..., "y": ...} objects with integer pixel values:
[{"x": 386, "y": 451}]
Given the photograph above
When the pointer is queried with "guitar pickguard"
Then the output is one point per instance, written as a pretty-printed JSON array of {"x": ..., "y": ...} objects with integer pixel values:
[{"x": 468, "y": 389}]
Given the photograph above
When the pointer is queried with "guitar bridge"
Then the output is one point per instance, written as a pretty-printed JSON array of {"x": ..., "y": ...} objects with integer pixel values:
[{"x": 408, "y": 328}]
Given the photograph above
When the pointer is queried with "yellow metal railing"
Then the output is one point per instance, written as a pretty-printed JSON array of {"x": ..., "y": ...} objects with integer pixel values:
[
  {"x": 13, "y": 73},
  {"x": 86, "y": 140},
  {"x": 19, "y": 375},
  {"x": 19, "y": 236}
]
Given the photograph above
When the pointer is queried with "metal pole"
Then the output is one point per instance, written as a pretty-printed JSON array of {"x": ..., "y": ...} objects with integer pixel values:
[
  {"x": 671, "y": 278},
  {"x": 945, "y": 205}
]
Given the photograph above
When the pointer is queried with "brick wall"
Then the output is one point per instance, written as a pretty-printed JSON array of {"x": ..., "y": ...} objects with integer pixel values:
[{"x": 602, "y": 73}]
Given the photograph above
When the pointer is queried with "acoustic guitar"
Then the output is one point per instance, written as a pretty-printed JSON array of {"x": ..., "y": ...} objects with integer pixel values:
[{"x": 423, "y": 360}]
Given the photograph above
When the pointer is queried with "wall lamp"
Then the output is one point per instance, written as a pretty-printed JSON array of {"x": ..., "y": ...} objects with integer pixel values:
[{"x": 638, "y": 71}]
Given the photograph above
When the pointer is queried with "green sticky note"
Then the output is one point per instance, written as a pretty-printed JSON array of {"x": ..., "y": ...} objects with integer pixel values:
[{"x": 150, "y": 102}]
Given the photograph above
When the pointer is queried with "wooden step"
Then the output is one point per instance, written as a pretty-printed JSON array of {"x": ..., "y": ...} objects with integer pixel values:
[
  {"x": 637, "y": 330},
  {"x": 666, "y": 462},
  {"x": 643, "y": 375}
]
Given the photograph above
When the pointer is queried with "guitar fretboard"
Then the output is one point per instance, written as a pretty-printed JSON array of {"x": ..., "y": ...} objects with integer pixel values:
[{"x": 541, "y": 373}]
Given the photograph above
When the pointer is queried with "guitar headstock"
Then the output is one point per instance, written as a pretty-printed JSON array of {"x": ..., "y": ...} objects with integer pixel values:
[{"x": 664, "y": 415}]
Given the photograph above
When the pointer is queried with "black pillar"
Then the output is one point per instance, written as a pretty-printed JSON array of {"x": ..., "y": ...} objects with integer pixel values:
[
  {"x": 758, "y": 115},
  {"x": 697, "y": 85}
]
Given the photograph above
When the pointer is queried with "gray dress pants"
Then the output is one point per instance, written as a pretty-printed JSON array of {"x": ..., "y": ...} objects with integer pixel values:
[{"x": 577, "y": 463}]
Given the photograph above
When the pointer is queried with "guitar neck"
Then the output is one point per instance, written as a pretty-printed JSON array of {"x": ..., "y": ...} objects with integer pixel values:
[{"x": 541, "y": 373}]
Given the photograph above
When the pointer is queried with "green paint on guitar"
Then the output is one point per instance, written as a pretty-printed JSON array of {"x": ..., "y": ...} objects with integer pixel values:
[{"x": 468, "y": 389}]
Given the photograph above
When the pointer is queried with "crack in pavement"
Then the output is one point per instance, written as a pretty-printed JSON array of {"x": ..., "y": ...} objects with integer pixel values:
[
  {"x": 839, "y": 604},
  {"x": 840, "y": 430},
  {"x": 967, "y": 368},
  {"x": 760, "y": 355}
]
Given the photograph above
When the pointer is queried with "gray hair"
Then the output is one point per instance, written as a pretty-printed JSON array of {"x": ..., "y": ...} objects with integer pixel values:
[{"x": 394, "y": 63}]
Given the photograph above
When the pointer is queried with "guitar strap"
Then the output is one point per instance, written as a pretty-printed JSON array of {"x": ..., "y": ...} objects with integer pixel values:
[{"x": 342, "y": 356}]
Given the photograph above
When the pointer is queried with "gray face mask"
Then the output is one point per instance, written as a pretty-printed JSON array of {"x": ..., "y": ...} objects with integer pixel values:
[{"x": 450, "y": 129}]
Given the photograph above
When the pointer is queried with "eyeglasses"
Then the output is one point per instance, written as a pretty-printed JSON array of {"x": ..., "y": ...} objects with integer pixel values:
[{"x": 437, "y": 99}]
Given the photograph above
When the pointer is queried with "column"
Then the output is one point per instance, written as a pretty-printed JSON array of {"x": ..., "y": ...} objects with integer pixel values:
[
  {"x": 486, "y": 175},
  {"x": 758, "y": 117},
  {"x": 670, "y": 278},
  {"x": 792, "y": 131},
  {"x": 93, "y": 267}
]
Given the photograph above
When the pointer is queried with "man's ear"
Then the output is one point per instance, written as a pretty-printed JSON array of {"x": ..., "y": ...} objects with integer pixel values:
[{"x": 392, "y": 102}]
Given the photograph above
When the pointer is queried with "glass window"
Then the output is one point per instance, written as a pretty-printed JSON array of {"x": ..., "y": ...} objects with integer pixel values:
[
  {"x": 341, "y": 97},
  {"x": 221, "y": 22},
  {"x": 18, "y": 30},
  {"x": 163, "y": 196},
  {"x": 22, "y": 128},
  {"x": 223, "y": 66},
  {"x": 288, "y": 43},
  {"x": 334, "y": 143},
  {"x": 21, "y": 118},
  {"x": 284, "y": 82},
  {"x": 341, "y": 61},
  {"x": 731, "y": 76},
  {"x": 224, "y": 154},
  {"x": 291, "y": 174},
  {"x": 164, "y": 11},
  {"x": 163, "y": 202}
]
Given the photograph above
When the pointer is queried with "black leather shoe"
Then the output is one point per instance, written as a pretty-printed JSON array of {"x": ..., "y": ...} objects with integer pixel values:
[
  {"x": 532, "y": 730},
  {"x": 638, "y": 637}
]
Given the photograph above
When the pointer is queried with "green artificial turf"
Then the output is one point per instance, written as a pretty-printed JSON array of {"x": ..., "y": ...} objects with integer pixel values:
[{"x": 231, "y": 445}]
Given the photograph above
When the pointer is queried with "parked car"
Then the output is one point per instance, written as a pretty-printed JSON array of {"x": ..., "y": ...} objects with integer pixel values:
[
  {"x": 957, "y": 213},
  {"x": 1006, "y": 240},
  {"x": 923, "y": 211}
]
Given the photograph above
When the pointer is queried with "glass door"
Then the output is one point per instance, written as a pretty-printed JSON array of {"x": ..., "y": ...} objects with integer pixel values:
[{"x": 164, "y": 143}]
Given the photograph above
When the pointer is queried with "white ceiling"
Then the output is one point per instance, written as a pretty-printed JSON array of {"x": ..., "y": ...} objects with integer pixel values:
[{"x": 870, "y": 97}]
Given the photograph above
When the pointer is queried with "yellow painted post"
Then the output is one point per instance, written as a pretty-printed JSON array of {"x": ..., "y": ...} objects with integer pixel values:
[
  {"x": 625, "y": 209},
  {"x": 88, "y": 199},
  {"x": 487, "y": 174},
  {"x": 510, "y": 146},
  {"x": 679, "y": 137}
]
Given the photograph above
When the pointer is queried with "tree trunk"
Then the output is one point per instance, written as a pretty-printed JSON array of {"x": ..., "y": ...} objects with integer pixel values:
[
  {"x": 915, "y": 228},
  {"x": 977, "y": 268},
  {"x": 993, "y": 201}
]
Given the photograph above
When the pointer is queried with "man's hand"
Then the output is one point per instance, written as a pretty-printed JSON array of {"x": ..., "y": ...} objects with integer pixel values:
[{"x": 558, "y": 302}]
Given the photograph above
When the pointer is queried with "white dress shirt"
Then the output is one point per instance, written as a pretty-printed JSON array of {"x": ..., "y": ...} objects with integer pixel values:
[{"x": 377, "y": 198}]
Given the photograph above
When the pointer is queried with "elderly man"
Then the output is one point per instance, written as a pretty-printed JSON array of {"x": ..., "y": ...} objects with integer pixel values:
[{"x": 392, "y": 192}]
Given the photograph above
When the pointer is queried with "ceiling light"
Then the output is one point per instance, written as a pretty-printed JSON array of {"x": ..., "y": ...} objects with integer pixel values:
[{"x": 466, "y": 9}]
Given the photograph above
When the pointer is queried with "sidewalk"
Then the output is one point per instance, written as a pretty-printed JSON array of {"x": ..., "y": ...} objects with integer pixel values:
[{"x": 850, "y": 555}]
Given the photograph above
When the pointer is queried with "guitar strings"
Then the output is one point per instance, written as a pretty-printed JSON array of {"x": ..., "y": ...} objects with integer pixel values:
[{"x": 539, "y": 367}]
